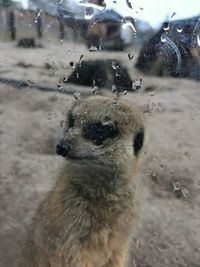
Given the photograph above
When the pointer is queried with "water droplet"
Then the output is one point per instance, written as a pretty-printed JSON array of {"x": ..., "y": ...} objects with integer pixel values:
[
  {"x": 166, "y": 26},
  {"x": 147, "y": 172},
  {"x": 68, "y": 52},
  {"x": 163, "y": 38},
  {"x": 61, "y": 88},
  {"x": 80, "y": 60},
  {"x": 130, "y": 56},
  {"x": 61, "y": 41},
  {"x": 151, "y": 93},
  {"x": 71, "y": 63},
  {"x": 173, "y": 14},
  {"x": 146, "y": 115},
  {"x": 137, "y": 85},
  {"x": 115, "y": 65},
  {"x": 142, "y": 8},
  {"x": 185, "y": 192},
  {"x": 93, "y": 48},
  {"x": 155, "y": 176},
  {"x": 51, "y": 115},
  {"x": 129, "y": 4},
  {"x": 30, "y": 83},
  {"x": 77, "y": 95},
  {"x": 118, "y": 74},
  {"x": 179, "y": 29},
  {"x": 198, "y": 40},
  {"x": 163, "y": 248},
  {"x": 125, "y": 92},
  {"x": 62, "y": 124},
  {"x": 38, "y": 15},
  {"x": 95, "y": 89},
  {"x": 114, "y": 88}
]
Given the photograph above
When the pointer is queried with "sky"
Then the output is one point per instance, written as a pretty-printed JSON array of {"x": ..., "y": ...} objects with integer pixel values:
[{"x": 152, "y": 11}]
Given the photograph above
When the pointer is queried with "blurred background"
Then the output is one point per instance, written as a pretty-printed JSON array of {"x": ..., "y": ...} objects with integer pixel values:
[{"x": 145, "y": 51}]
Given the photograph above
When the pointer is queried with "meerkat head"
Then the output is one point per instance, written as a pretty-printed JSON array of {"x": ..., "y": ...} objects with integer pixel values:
[{"x": 103, "y": 130}]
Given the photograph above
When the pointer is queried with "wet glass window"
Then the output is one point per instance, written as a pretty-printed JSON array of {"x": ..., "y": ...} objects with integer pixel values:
[{"x": 99, "y": 133}]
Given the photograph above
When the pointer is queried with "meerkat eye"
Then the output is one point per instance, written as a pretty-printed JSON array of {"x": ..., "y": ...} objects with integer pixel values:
[
  {"x": 71, "y": 120},
  {"x": 98, "y": 132},
  {"x": 138, "y": 141}
]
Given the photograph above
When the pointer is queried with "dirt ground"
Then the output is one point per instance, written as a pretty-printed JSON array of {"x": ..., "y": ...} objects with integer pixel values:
[{"x": 31, "y": 122}]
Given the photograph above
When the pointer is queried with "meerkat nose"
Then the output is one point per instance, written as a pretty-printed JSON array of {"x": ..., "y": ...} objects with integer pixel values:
[{"x": 62, "y": 149}]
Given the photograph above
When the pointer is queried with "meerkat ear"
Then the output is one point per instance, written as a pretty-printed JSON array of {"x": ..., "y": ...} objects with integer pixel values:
[{"x": 138, "y": 141}]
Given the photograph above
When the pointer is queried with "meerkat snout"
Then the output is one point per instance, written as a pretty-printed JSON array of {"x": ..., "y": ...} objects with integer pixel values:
[{"x": 62, "y": 149}]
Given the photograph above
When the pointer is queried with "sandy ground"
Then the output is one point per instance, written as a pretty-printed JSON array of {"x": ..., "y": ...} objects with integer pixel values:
[{"x": 31, "y": 124}]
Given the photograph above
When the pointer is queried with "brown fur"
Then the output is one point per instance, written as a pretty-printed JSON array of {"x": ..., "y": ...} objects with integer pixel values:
[{"x": 88, "y": 218}]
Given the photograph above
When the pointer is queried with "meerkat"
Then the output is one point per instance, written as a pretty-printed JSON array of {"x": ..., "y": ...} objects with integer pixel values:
[{"x": 88, "y": 218}]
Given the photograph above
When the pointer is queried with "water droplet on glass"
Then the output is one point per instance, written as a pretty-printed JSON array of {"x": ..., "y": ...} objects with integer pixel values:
[
  {"x": 68, "y": 52},
  {"x": 125, "y": 92},
  {"x": 185, "y": 192},
  {"x": 38, "y": 15},
  {"x": 151, "y": 93},
  {"x": 137, "y": 85},
  {"x": 146, "y": 115},
  {"x": 166, "y": 26},
  {"x": 71, "y": 63},
  {"x": 129, "y": 4},
  {"x": 114, "y": 88},
  {"x": 163, "y": 38},
  {"x": 80, "y": 60},
  {"x": 93, "y": 83},
  {"x": 198, "y": 40},
  {"x": 93, "y": 48},
  {"x": 30, "y": 83},
  {"x": 163, "y": 248},
  {"x": 130, "y": 56},
  {"x": 62, "y": 124},
  {"x": 142, "y": 8},
  {"x": 179, "y": 29},
  {"x": 51, "y": 115},
  {"x": 61, "y": 41},
  {"x": 95, "y": 89},
  {"x": 118, "y": 74},
  {"x": 115, "y": 65},
  {"x": 147, "y": 172},
  {"x": 173, "y": 14},
  {"x": 77, "y": 95},
  {"x": 154, "y": 174}
]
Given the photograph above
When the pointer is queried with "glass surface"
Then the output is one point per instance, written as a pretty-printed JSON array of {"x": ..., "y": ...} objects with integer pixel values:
[{"x": 55, "y": 53}]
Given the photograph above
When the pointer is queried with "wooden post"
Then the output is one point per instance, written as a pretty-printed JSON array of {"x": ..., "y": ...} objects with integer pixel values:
[
  {"x": 62, "y": 28},
  {"x": 11, "y": 23}
]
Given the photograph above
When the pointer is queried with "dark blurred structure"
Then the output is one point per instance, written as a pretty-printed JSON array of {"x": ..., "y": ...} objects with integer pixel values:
[
  {"x": 173, "y": 51},
  {"x": 103, "y": 31},
  {"x": 102, "y": 73}
]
